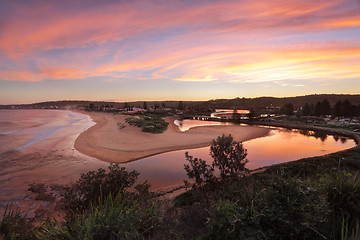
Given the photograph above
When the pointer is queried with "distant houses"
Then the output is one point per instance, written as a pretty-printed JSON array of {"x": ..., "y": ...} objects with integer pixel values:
[
  {"x": 230, "y": 114},
  {"x": 341, "y": 113}
]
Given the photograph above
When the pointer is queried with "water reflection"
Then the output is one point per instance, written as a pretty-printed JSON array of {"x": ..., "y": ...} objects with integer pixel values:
[
  {"x": 186, "y": 124},
  {"x": 317, "y": 134},
  {"x": 282, "y": 145}
]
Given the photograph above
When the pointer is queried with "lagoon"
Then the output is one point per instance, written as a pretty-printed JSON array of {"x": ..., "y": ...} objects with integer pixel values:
[{"x": 281, "y": 145}]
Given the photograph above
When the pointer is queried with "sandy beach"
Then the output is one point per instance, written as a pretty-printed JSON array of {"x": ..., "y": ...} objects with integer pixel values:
[{"x": 105, "y": 141}]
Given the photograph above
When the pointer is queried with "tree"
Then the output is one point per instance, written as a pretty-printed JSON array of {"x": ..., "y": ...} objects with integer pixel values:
[
  {"x": 318, "y": 109},
  {"x": 145, "y": 105},
  {"x": 306, "y": 111},
  {"x": 338, "y": 109},
  {"x": 236, "y": 115},
  {"x": 326, "y": 108},
  {"x": 323, "y": 108},
  {"x": 344, "y": 109},
  {"x": 181, "y": 105},
  {"x": 251, "y": 114},
  {"x": 312, "y": 109},
  {"x": 348, "y": 109},
  {"x": 163, "y": 105},
  {"x": 287, "y": 109},
  {"x": 230, "y": 157}
]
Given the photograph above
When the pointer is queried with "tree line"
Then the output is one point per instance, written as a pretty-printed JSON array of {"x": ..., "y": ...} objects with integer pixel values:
[{"x": 322, "y": 108}]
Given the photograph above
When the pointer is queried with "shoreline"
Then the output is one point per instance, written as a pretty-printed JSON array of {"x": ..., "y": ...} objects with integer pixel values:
[
  {"x": 106, "y": 142},
  {"x": 350, "y": 134}
]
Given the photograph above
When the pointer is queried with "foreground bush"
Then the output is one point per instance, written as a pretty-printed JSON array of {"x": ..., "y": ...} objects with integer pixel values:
[
  {"x": 110, "y": 218},
  {"x": 87, "y": 189},
  {"x": 14, "y": 225}
]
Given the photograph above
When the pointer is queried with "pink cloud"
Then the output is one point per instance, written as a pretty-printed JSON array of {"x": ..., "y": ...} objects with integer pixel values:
[
  {"x": 42, "y": 74},
  {"x": 48, "y": 26}
]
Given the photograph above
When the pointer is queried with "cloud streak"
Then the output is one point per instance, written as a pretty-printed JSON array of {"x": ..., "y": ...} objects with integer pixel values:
[
  {"x": 181, "y": 41},
  {"x": 47, "y": 26}
]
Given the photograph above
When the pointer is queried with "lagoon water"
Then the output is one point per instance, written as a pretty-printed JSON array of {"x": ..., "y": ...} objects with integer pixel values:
[{"x": 280, "y": 146}]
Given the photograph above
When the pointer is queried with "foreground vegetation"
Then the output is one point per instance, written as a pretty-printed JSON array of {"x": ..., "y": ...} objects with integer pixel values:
[{"x": 313, "y": 198}]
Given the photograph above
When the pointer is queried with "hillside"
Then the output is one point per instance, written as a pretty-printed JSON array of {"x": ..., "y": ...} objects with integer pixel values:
[
  {"x": 239, "y": 103},
  {"x": 261, "y": 102}
]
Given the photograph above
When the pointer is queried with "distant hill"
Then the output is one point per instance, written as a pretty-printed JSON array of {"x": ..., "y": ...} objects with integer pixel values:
[
  {"x": 238, "y": 103},
  {"x": 68, "y": 104},
  {"x": 261, "y": 102}
]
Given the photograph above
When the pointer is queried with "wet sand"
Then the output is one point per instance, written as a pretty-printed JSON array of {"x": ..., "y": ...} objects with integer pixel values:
[
  {"x": 107, "y": 142},
  {"x": 38, "y": 147}
]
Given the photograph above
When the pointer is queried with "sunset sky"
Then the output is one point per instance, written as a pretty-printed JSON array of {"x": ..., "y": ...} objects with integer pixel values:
[{"x": 177, "y": 50}]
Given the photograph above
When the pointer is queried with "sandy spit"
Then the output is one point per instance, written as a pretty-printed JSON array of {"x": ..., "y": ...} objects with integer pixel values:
[{"x": 107, "y": 142}]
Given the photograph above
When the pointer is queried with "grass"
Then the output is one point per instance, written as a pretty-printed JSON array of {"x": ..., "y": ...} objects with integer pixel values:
[{"x": 14, "y": 225}]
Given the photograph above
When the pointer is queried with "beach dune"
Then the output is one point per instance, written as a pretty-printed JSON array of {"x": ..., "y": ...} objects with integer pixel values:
[{"x": 107, "y": 142}]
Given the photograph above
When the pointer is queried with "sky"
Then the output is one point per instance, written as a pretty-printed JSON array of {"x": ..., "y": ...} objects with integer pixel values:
[{"x": 177, "y": 50}]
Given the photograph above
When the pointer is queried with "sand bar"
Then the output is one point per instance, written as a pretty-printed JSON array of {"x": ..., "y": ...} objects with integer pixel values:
[{"x": 105, "y": 141}]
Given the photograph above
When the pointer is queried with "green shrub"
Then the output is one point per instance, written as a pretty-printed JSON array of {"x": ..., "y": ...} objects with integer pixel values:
[
  {"x": 230, "y": 157},
  {"x": 14, "y": 225},
  {"x": 87, "y": 189},
  {"x": 110, "y": 218},
  {"x": 224, "y": 217},
  {"x": 151, "y": 124},
  {"x": 286, "y": 208}
]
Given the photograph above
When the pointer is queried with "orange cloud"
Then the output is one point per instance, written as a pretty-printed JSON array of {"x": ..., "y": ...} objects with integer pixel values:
[
  {"x": 62, "y": 73},
  {"x": 321, "y": 64}
]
